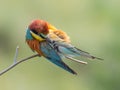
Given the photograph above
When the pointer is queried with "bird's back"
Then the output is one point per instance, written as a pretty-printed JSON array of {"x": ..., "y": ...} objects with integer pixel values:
[{"x": 55, "y": 33}]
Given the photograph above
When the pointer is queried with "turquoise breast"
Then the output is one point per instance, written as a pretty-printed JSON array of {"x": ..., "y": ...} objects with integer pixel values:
[{"x": 28, "y": 35}]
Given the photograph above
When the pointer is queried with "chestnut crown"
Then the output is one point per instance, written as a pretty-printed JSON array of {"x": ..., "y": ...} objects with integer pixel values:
[{"x": 39, "y": 26}]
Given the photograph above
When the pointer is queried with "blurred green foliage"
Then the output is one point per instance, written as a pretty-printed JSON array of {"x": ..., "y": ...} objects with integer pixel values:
[{"x": 93, "y": 25}]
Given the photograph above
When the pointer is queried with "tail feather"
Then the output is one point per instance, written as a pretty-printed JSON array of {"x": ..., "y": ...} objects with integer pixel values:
[
  {"x": 61, "y": 64},
  {"x": 93, "y": 57},
  {"x": 86, "y": 54},
  {"x": 76, "y": 60},
  {"x": 81, "y": 50},
  {"x": 73, "y": 51},
  {"x": 89, "y": 56}
]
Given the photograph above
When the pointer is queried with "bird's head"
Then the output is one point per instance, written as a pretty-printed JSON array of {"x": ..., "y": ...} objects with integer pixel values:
[{"x": 38, "y": 29}]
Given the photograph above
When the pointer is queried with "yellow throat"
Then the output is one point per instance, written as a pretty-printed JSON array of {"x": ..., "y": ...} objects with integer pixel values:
[{"x": 37, "y": 37}]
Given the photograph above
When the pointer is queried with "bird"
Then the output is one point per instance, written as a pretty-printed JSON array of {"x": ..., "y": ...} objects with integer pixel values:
[{"x": 54, "y": 44}]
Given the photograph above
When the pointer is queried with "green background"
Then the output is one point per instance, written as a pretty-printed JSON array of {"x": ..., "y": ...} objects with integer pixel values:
[{"x": 93, "y": 25}]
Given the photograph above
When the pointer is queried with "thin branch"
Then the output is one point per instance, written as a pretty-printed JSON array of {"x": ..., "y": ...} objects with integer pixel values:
[
  {"x": 16, "y": 63},
  {"x": 16, "y": 54}
]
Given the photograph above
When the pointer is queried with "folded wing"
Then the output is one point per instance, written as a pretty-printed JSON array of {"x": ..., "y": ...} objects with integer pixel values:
[{"x": 53, "y": 56}]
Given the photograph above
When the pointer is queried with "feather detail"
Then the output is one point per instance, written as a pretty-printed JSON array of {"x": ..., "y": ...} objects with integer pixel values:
[
  {"x": 51, "y": 27},
  {"x": 67, "y": 49},
  {"x": 56, "y": 33},
  {"x": 75, "y": 60},
  {"x": 35, "y": 46},
  {"x": 54, "y": 57}
]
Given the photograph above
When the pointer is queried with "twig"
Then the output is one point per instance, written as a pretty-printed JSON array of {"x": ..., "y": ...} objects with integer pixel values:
[
  {"x": 17, "y": 62},
  {"x": 16, "y": 54}
]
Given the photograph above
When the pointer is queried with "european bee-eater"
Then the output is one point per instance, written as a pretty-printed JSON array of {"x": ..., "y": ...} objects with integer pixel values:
[{"x": 53, "y": 44}]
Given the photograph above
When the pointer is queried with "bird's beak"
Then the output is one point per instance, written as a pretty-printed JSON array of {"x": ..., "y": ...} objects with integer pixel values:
[{"x": 39, "y": 38}]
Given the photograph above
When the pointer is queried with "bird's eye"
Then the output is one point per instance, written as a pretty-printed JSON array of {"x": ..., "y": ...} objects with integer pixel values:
[{"x": 34, "y": 31}]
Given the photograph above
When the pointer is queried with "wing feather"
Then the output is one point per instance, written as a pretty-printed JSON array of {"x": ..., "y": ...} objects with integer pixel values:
[{"x": 52, "y": 55}]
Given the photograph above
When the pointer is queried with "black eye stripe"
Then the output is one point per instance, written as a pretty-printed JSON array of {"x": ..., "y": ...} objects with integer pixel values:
[
  {"x": 41, "y": 35},
  {"x": 34, "y": 31}
]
